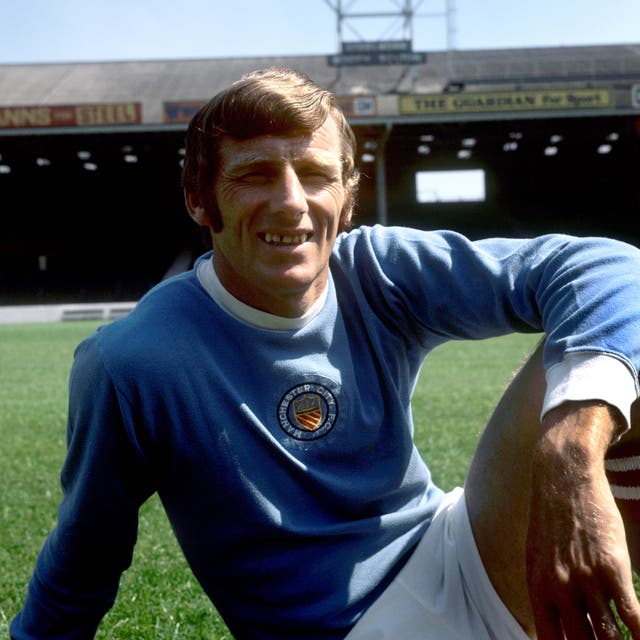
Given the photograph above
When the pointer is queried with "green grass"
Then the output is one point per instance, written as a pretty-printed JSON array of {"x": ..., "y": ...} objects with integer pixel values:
[{"x": 159, "y": 598}]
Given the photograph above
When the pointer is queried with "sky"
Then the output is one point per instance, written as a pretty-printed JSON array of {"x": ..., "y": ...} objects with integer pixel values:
[{"x": 35, "y": 31}]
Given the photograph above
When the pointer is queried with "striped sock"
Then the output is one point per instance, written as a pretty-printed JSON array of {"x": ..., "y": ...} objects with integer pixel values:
[{"x": 624, "y": 477}]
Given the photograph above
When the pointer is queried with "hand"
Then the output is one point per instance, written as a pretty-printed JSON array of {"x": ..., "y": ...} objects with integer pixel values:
[{"x": 577, "y": 558}]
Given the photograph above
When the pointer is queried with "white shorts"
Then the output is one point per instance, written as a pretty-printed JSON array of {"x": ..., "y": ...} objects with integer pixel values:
[{"x": 443, "y": 592}]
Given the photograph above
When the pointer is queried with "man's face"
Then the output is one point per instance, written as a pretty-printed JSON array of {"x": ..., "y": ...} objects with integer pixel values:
[{"x": 281, "y": 200}]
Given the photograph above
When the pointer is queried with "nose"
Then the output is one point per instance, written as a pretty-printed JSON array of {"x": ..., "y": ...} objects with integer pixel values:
[{"x": 289, "y": 195}]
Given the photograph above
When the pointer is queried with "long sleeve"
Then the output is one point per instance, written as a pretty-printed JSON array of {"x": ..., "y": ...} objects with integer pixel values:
[
  {"x": 104, "y": 483},
  {"x": 583, "y": 293}
]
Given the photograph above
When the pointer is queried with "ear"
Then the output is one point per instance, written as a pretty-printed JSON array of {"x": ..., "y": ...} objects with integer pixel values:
[
  {"x": 346, "y": 215},
  {"x": 197, "y": 212}
]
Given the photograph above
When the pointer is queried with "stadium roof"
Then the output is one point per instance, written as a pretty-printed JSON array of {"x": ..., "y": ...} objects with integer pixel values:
[{"x": 152, "y": 83}]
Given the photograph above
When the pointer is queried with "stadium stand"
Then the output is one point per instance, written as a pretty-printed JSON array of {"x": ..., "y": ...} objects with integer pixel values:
[{"x": 90, "y": 199}]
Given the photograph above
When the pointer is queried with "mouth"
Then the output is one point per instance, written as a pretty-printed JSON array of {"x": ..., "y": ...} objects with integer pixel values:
[{"x": 288, "y": 239}]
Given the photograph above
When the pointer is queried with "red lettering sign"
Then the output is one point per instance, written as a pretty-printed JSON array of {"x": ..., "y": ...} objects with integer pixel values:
[{"x": 85, "y": 115}]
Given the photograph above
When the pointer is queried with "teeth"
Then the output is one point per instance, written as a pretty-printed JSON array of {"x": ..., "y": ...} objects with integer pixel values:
[{"x": 275, "y": 238}]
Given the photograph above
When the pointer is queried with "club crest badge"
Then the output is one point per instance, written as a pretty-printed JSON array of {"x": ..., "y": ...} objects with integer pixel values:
[{"x": 308, "y": 411}]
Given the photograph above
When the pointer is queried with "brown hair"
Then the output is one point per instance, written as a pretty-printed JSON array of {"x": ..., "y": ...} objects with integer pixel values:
[{"x": 271, "y": 101}]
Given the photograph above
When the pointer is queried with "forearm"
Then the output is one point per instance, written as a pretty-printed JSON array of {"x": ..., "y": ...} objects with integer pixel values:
[
  {"x": 58, "y": 610},
  {"x": 577, "y": 434},
  {"x": 577, "y": 557}
]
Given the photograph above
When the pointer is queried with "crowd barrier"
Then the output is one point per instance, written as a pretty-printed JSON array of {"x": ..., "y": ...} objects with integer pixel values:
[{"x": 21, "y": 314}]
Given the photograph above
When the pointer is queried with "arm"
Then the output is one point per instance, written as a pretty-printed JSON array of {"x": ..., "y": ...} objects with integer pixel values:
[
  {"x": 577, "y": 557},
  {"x": 78, "y": 570},
  {"x": 584, "y": 294}
]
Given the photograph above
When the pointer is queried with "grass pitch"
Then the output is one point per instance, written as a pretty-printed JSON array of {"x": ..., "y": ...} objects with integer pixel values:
[{"x": 159, "y": 598}]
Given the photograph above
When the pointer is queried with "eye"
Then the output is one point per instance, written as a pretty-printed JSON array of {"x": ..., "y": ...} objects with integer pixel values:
[
  {"x": 256, "y": 176},
  {"x": 316, "y": 175}
]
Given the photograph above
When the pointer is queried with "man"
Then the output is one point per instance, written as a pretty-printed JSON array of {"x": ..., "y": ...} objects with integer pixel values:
[{"x": 265, "y": 395}]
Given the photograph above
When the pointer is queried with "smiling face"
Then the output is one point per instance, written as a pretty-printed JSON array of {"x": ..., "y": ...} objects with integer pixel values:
[{"x": 282, "y": 204}]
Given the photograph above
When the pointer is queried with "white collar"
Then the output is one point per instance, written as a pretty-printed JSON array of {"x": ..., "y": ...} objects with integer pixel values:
[{"x": 208, "y": 278}]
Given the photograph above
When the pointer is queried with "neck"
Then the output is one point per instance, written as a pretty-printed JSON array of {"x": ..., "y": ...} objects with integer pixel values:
[
  {"x": 284, "y": 295},
  {"x": 252, "y": 315}
]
